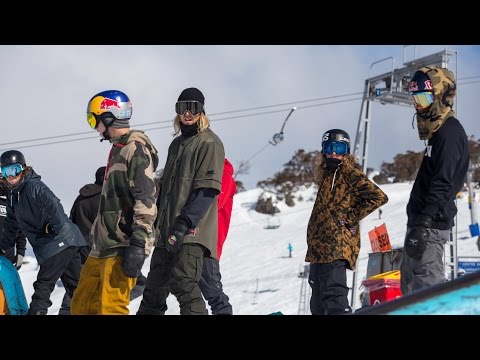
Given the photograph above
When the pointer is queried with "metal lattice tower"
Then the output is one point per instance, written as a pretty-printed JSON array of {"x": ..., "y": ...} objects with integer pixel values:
[
  {"x": 391, "y": 88},
  {"x": 303, "y": 309}
]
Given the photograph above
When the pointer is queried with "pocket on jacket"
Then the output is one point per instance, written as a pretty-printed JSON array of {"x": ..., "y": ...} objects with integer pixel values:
[{"x": 106, "y": 231}]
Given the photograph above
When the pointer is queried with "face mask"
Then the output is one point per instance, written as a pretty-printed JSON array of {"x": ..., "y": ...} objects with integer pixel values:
[{"x": 332, "y": 163}]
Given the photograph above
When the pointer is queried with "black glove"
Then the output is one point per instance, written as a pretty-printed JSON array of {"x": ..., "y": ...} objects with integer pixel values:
[
  {"x": 478, "y": 243},
  {"x": 48, "y": 229},
  {"x": 133, "y": 258},
  {"x": 176, "y": 234},
  {"x": 416, "y": 242}
]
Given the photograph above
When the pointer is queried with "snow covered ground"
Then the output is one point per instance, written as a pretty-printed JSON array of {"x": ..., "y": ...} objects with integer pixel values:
[{"x": 258, "y": 275}]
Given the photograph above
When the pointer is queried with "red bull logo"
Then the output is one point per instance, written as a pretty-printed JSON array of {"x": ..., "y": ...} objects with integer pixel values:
[{"x": 108, "y": 104}]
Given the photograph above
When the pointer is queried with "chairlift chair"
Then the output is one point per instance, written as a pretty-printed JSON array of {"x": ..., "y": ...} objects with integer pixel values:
[{"x": 272, "y": 223}]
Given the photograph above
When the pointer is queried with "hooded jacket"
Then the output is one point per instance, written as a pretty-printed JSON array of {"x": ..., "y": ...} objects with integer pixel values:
[
  {"x": 31, "y": 206},
  {"x": 345, "y": 196},
  {"x": 441, "y": 176},
  {"x": 127, "y": 204},
  {"x": 85, "y": 209}
]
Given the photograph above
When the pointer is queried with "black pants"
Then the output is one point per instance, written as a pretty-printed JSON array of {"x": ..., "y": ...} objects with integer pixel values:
[
  {"x": 65, "y": 266},
  {"x": 329, "y": 288},
  {"x": 178, "y": 274},
  {"x": 212, "y": 289}
]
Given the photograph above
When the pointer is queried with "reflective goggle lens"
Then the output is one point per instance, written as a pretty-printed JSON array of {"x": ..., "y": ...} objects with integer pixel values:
[
  {"x": 92, "y": 120},
  {"x": 11, "y": 170},
  {"x": 193, "y": 106},
  {"x": 337, "y": 147},
  {"x": 423, "y": 99}
]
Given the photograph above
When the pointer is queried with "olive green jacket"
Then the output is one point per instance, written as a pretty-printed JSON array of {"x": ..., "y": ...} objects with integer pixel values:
[{"x": 192, "y": 163}]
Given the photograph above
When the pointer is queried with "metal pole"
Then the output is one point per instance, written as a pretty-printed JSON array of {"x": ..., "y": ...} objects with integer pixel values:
[{"x": 471, "y": 202}]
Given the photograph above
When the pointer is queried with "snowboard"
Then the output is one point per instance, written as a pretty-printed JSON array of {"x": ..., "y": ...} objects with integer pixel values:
[{"x": 11, "y": 289}]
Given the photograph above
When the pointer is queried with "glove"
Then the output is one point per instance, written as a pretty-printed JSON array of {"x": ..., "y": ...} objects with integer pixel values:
[
  {"x": 48, "y": 229},
  {"x": 18, "y": 261},
  {"x": 133, "y": 258},
  {"x": 478, "y": 243},
  {"x": 175, "y": 236},
  {"x": 416, "y": 242}
]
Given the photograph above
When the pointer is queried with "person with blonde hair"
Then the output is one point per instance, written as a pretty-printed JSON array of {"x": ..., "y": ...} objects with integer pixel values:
[
  {"x": 345, "y": 196},
  {"x": 187, "y": 218}
]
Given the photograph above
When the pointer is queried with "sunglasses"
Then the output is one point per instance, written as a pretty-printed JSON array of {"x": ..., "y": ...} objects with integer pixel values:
[
  {"x": 194, "y": 107},
  {"x": 423, "y": 99},
  {"x": 337, "y": 147},
  {"x": 11, "y": 170}
]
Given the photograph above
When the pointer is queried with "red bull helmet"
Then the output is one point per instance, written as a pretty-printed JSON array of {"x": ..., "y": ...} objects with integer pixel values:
[{"x": 106, "y": 104}]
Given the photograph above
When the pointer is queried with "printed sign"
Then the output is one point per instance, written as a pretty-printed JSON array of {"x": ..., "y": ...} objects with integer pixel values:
[
  {"x": 468, "y": 265},
  {"x": 379, "y": 239}
]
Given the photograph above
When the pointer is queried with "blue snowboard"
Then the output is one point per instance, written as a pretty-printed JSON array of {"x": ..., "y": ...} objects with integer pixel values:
[{"x": 12, "y": 288}]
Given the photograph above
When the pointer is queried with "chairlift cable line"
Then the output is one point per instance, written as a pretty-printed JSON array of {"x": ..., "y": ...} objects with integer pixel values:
[
  {"x": 213, "y": 114},
  {"x": 210, "y": 115}
]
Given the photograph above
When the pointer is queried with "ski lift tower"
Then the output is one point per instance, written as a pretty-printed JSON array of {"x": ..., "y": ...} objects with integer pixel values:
[{"x": 392, "y": 88}]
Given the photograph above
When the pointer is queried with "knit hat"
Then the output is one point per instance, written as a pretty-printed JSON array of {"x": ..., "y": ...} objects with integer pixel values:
[
  {"x": 420, "y": 82},
  {"x": 100, "y": 175},
  {"x": 192, "y": 94}
]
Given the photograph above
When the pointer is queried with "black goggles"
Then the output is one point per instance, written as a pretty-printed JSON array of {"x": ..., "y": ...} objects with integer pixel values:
[
  {"x": 94, "y": 119},
  {"x": 194, "y": 107}
]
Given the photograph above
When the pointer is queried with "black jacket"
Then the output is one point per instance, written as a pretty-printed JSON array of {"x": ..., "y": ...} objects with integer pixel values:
[
  {"x": 441, "y": 176},
  {"x": 21, "y": 240},
  {"x": 30, "y": 208},
  {"x": 85, "y": 209}
]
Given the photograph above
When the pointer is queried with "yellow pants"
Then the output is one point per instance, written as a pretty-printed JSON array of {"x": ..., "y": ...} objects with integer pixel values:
[
  {"x": 3, "y": 302},
  {"x": 103, "y": 288}
]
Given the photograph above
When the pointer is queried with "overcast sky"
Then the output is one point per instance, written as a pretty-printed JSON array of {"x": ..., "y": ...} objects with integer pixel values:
[{"x": 45, "y": 91}]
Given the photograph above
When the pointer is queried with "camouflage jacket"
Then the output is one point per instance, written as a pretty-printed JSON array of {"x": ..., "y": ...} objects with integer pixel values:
[
  {"x": 192, "y": 163},
  {"x": 345, "y": 196},
  {"x": 127, "y": 204}
]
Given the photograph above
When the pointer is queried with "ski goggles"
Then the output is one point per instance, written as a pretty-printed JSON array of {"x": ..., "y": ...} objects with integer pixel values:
[
  {"x": 93, "y": 120},
  {"x": 194, "y": 107},
  {"x": 12, "y": 170},
  {"x": 423, "y": 99},
  {"x": 337, "y": 147}
]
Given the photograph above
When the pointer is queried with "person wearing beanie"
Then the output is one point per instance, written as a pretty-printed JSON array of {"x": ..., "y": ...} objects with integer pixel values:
[
  {"x": 431, "y": 208},
  {"x": 187, "y": 222},
  {"x": 122, "y": 232},
  {"x": 345, "y": 196}
]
